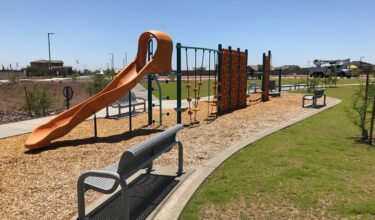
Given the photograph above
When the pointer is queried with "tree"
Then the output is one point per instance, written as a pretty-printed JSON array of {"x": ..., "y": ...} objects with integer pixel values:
[{"x": 362, "y": 106}]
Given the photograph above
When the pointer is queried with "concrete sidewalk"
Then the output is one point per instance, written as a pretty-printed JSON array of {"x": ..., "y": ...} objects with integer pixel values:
[{"x": 24, "y": 127}]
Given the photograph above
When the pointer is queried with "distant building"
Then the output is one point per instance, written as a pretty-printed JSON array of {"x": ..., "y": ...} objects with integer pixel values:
[
  {"x": 253, "y": 68},
  {"x": 290, "y": 67},
  {"x": 44, "y": 64},
  {"x": 363, "y": 66},
  {"x": 57, "y": 67}
]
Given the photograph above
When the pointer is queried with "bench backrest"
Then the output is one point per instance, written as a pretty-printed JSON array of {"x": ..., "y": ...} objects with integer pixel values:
[
  {"x": 125, "y": 99},
  {"x": 139, "y": 156},
  {"x": 272, "y": 85},
  {"x": 319, "y": 93},
  {"x": 253, "y": 84}
]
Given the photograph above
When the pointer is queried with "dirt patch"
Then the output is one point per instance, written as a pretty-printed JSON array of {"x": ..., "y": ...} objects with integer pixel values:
[
  {"x": 11, "y": 103},
  {"x": 42, "y": 184}
]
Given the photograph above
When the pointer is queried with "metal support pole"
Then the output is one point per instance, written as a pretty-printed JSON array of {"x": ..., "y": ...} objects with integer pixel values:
[
  {"x": 149, "y": 85},
  {"x": 180, "y": 170},
  {"x": 280, "y": 82},
  {"x": 372, "y": 120},
  {"x": 219, "y": 86},
  {"x": 178, "y": 78},
  {"x": 130, "y": 111},
  {"x": 149, "y": 99},
  {"x": 230, "y": 78},
  {"x": 264, "y": 73},
  {"x": 95, "y": 126},
  {"x": 239, "y": 76},
  {"x": 246, "y": 52}
]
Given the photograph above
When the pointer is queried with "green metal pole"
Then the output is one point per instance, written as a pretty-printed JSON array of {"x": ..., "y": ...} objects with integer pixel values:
[
  {"x": 219, "y": 77},
  {"x": 230, "y": 78},
  {"x": 264, "y": 73},
  {"x": 130, "y": 111},
  {"x": 246, "y": 71},
  {"x": 372, "y": 120},
  {"x": 239, "y": 78},
  {"x": 149, "y": 87},
  {"x": 280, "y": 82},
  {"x": 178, "y": 76}
]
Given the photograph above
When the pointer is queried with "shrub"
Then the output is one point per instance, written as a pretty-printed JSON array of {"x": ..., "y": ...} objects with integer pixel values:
[
  {"x": 331, "y": 80},
  {"x": 98, "y": 83},
  {"x": 313, "y": 84},
  {"x": 39, "y": 99},
  {"x": 13, "y": 78}
]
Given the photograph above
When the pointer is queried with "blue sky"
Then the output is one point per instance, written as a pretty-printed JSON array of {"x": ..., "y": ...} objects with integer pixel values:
[{"x": 295, "y": 30}]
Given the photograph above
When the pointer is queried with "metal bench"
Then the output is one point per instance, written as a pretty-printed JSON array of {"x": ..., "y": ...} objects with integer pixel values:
[
  {"x": 123, "y": 102},
  {"x": 139, "y": 157},
  {"x": 318, "y": 93},
  {"x": 272, "y": 88},
  {"x": 253, "y": 86}
]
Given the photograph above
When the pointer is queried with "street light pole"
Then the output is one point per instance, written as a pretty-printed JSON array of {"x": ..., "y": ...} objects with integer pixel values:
[
  {"x": 112, "y": 62},
  {"x": 49, "y": 54}
]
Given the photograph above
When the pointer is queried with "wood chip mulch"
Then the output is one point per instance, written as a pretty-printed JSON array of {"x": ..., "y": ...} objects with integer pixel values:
[{"x": 42, "y": 184}]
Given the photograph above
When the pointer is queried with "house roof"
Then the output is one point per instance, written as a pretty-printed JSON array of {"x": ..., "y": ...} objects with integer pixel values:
[
  {"x": 47, "y": 61},
  {"x": 359, "y": 63}
]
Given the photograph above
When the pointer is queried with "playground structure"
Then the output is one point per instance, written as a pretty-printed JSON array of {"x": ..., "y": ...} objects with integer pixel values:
[
  {"x": 268, "y": 87},
  {"x": 121, "y": 84},
  {"x": 228, "y": 85},
  {"x": 266, "y": 76},
  {"x": 226, "y": 90}
]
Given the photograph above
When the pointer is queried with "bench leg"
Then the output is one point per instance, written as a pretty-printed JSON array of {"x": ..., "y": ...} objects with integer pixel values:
[
  {"x": 324, "y": 99},
  {"x": 180, "y": 170},
  {"x": 125, "y": 211},
  {"x": 149, "y": 168},
  {"x": 119, "y": 111},
  {"x": 81, "y": 198}
]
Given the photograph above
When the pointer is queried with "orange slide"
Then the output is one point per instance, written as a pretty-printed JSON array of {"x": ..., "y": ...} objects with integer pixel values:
[{"x": 120, "y": 85}]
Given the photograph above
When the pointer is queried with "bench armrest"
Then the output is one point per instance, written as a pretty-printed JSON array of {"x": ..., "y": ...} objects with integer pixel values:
[
  {"x": 100, "y": 173},
  {"x": 116, "y": 104},
  {"x": 307, "y": 95},
  {"x": 81, "y": 186}
]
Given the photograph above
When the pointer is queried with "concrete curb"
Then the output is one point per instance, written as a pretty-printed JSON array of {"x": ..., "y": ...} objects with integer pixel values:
[{"x": 176, "y": 202}]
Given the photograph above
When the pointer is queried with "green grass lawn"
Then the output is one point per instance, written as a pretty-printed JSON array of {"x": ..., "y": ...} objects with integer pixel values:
[
  {"x": 169, "y": 89},
  {"x": 311, "y": 169}
]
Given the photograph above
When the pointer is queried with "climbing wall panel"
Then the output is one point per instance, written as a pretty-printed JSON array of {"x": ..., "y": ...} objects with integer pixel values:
[{"x": 232, "y": 93}]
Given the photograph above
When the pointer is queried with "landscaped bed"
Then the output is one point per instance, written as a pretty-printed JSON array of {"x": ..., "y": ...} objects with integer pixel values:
[
  {"x": 11, "y": 105},
  {"x": 42, "y": 184}
]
